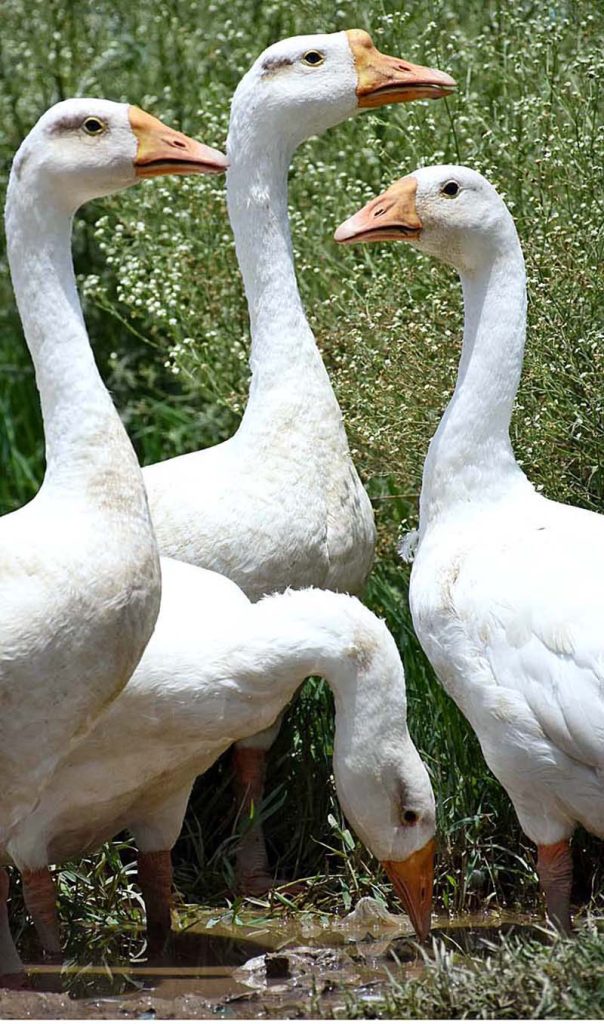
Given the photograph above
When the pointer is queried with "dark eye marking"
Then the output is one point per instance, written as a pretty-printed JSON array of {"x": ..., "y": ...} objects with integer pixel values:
[
  {"x": 410, "y": 817},
  {"x": 75, "y": 123},
  {"x": 65, "y": 124},
  {"x": 272, "y": 64}
]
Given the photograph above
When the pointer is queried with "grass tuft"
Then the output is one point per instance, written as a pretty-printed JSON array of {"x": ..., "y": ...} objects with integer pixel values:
[{"x": 518, "y": 979}]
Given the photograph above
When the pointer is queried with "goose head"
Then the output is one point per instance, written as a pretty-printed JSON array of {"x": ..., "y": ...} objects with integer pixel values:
[
  {"x": 390, "y": 805},
  {"x": 83, "y": 149},
  {"x": 381, "y": 781},
  {"x": 304, "y": 85},
  {"x": 446, "y": 211}
]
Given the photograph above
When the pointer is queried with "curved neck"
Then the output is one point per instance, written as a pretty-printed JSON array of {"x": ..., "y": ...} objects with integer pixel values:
[
  {"x": 81, "y": 425},
  {"x": 316, "y": 632},
  {"x": 470, "y": 455},
  {"x": 285, "y": 362}
]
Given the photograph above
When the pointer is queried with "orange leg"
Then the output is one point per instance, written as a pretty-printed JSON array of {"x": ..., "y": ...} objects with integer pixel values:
[
  {"x": 40, "y": 897},
  {"x": 155, "y": 881},
  {"x": 254, "y": 877},
  {"x": 555, "y": 870}
]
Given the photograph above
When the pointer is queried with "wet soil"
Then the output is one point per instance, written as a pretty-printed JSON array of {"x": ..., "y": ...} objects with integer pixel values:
[{"x": 302, "y": 966}]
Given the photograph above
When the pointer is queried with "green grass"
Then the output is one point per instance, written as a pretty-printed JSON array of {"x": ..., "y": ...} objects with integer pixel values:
[
  {"x": 168, "y": 320},
  {"x": 517, "y": 979}
]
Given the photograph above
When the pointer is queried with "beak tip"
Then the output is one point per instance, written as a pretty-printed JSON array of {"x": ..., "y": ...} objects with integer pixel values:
[
  {"x": 162, "y": 150},
  {"x": 412, "y": 880},
  {"x": 445, "y": 80},
  {"x": 208, "y": 160},
  {"x": 423, "y": 929},
  {"x": 220, "y": 164}
]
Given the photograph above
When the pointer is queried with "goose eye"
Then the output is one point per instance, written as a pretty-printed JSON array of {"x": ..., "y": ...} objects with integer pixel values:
[
  {"x": 313, "y": 58},
  {"x": 410, "y": 817},
  {"x": 93, "y": 126},
  {"x": 451, "y": 189}
]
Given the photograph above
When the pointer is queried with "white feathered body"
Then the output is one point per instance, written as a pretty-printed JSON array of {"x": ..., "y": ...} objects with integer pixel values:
[
  {"x": 272, "y": 507},
  {"x": 79, "y": 592},
  {"x": 155, "y": 738},
  {"x": 508, "y": 603},
  {"x": 217, "y": 669}
]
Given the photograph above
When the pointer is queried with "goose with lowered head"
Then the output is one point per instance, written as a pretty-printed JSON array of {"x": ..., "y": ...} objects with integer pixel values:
[
  {"x": 196, "y": 690},
  {"x": 79, "y": 568},
  {"x": 280, "y": 503},
  {"x": 508, "y": 611}
]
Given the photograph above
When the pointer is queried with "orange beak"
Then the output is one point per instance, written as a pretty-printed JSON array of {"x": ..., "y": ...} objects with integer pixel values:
[
  {"x": 162, "y": 150},
  {"x": 382, "y": 79},
  {"x": 412, "y": 880},
  {"x": 392, "y": 215}
]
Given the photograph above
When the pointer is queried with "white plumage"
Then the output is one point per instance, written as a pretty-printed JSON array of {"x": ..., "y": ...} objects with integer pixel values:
[
  {"x": 219, "y": 668},
  {"x": 79, "y": 567},
  {"x": 513, "y": 628},
  {"x": 280, "y": 504},
  {"x": 79, "y": 570},
  {"x": 507, "y": 587}
]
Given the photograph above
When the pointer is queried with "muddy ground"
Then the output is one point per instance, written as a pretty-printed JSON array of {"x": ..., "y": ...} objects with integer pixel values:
[{"x": 299, "y": 967}]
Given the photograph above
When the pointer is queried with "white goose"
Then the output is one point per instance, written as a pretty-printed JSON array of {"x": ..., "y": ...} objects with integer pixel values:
[
  {"x": 196, "y": 690},
  {"x": 79, "y": 568},
  {"x": 507, "y": 588},
  {"x": 280, "y": 503}
]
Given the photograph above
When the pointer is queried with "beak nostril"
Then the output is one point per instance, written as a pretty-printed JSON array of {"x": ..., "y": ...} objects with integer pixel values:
[
  {"x": 178, "y": 143},
  {"x": 380, "y": 212}
]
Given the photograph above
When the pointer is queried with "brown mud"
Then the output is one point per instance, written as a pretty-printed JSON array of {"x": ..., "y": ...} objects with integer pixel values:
[{"x": 306, "y": 965}]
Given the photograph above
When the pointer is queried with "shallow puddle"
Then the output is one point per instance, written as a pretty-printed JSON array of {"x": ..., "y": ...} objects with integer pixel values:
[{"x": 256, "y": 966}]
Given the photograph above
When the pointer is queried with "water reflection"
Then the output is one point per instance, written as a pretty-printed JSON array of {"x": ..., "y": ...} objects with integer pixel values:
[{"x": 230, "y": 963}]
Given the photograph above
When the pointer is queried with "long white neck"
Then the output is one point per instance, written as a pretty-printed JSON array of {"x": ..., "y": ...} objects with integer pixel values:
[
  {"x": 287, "y": 369},
  {"x": 83, "y": 433},
  {"x": 317, "y": 632},
  {"x": 470, "y": 456}
]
